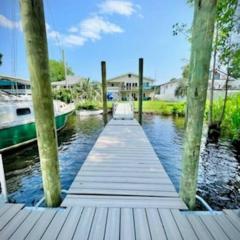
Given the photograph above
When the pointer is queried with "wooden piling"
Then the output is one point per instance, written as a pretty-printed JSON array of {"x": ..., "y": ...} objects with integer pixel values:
[
  {"x": 33, "y": 22},
  {"x": 140, "y": 91},
  {"x": 104, "y": 91},
  {"x": 202, "y": 36}
]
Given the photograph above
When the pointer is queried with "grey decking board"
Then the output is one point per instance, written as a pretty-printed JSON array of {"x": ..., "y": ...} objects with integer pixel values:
[
  {"x": 84, "y": 226},
  {"x": 9, "y": 214},
  {"x": 214, "y": 228},
  {"x": 99, "y": 224},
  {"x": 127, "y": 230},
  {"x": 56, "y": 224},
  {"x": 24, "y": 229},
  {"x": 185, "y": 228},
  {"x": 235, "y": 220},
  {"x": 122, "y": 201},
  {"x": 113, "y": 224},
  {"x": 4, "y": 208},
  {"x": 169, "y": 224},
  {"x": 70, "y": 225},
  {"x": 227, "y": 227},
  {"x": 13, "y": 225},
  {"x": 42, "y": 224},
  {"x": 155, "y": 224},
  {"x": 141, "y": 224}
]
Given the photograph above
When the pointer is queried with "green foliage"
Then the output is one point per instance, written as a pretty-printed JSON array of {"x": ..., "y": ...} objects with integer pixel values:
[
  {"x": 230, "y": 126},
  {"x": 181, "y": 89},
  {"x": 57, "y": 70},
  {"x": 163, "y": 107},
  {"x": 63, "y": 94},
  {"x": 87, "y": 90},
  {"x": 88, "y": 105}
]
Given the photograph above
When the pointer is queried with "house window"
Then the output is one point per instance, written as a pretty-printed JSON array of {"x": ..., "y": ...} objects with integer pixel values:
[
  {"x": 112, "y": 85},
  {"x": 23, "y": 111},
  {"x": 129, "y": 75}
]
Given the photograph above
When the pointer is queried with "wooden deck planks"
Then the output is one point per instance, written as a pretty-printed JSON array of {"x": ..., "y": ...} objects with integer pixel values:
[
  {"x": 122, "y": 163},
  {"x": 105, "y": 223}
]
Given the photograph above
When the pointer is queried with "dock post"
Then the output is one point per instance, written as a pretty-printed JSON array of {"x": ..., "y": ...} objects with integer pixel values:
[
  {"x": 3, "y": 180},
  {"x": 104, "y": 91},
  {"x": 202, "y": 37},
  {"x": 140, "y": 91},
  {"x": 33, "y": 22}
]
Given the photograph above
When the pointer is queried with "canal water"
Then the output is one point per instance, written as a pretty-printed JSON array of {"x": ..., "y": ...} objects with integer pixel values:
[{"x": 219, "y": 169}]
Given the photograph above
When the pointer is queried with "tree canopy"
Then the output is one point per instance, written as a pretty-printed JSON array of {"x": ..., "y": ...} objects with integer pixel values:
[{"x": 57, "y": 70}]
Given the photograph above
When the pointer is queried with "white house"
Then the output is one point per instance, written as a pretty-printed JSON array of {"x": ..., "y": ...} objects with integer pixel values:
[{"x": 126, "y": 87}]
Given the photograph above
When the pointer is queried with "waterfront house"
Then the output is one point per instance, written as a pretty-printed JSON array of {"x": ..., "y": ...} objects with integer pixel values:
[{"x": 125, "y": 87}]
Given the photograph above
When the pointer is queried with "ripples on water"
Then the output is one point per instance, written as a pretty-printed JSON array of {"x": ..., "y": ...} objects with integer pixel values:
[{"x": 219, "y": 169}]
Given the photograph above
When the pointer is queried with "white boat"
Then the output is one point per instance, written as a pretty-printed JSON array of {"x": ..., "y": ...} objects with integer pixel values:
[{"x": 17, "y": 124}]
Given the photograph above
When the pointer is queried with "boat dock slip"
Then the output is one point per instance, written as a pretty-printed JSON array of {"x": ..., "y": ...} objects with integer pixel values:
[
  {"x": 122, "y": 170},
  {"x": 121, "y": 192}
]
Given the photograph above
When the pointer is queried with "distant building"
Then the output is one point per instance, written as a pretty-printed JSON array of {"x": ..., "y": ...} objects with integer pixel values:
[
  {"x": 15, "y": 85},
  {"x": 125, "y": 87},
  {"x": 166, "y": 91},
  {"x": 70, "y": 82}
]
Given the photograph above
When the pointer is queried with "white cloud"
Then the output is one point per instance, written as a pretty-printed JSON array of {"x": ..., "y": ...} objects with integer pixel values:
[
  {"x": 7, "y": 23},
  {"x": 92, "y": 28},
  {"x": 73, "y": 40},
  {"x": 125, "y": 8}
]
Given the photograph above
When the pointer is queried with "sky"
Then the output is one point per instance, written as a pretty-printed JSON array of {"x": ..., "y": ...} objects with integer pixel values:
[{"x": 116, "y": 31}]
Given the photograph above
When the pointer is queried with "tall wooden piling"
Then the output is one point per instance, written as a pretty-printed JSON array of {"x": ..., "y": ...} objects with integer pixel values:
[
  {"x": 32, "y": 13},
  {"x": 140, "y": 90},
  {"x": 104, "y": 91},
  {"x": 202, "y": 36}
]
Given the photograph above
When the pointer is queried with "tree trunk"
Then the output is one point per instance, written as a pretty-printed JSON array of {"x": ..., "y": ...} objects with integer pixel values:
[
  {"x": 104, "y": 92},
  {"x": 140, "y": 91},
  {"x": 202, "y": 37},
  {"x": 224, "y": 102},
  {"x": 210, "y": 120},
  {"x": 37, "y": 55}
]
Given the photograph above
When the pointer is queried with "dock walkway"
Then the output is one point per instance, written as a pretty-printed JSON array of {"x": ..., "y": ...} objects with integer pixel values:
[{"x": 121, "y": 192}]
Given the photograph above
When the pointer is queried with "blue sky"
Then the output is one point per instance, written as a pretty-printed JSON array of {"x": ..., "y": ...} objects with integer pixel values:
[{"x": 117, "y": 31}]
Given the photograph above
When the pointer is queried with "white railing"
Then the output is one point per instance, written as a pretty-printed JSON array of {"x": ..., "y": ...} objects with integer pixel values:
[{"x": 3, "y": 181}]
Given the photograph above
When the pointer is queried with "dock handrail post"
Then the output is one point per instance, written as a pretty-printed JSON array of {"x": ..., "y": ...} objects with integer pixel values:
[
  {"x": 3, "y": 180},
  {"x": 104, "y": 91},
  {"x": 202, "y": 38},
  {"x": 34, "y": 29},
  {"x": 140, "y": 91}
]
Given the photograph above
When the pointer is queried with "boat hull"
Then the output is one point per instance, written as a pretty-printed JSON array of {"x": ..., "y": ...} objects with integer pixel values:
[{"x": 20, "y": 135}]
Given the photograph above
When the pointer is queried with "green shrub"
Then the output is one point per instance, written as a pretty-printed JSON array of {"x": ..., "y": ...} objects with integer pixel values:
[{"x": 63, "y": 94}]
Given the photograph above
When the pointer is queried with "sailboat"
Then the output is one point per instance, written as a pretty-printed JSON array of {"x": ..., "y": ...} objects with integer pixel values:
[{"x": 17, "y": 124}]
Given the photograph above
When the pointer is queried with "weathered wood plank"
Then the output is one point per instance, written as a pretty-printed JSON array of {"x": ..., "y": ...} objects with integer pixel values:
[{"x": 235, "y": 220}]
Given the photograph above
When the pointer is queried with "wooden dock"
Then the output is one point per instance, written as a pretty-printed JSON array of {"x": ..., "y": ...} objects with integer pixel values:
[{"x": 121, "y": 192}]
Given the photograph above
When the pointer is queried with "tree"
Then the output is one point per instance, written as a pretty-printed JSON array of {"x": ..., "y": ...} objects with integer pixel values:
[
  {"x": 181, "y": 89},
  {"x": 202, "y": 37},
  {"x": 57, "y": 72}
]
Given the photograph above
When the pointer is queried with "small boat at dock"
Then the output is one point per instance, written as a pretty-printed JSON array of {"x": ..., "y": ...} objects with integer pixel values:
[{"x": 17, "y": 124}]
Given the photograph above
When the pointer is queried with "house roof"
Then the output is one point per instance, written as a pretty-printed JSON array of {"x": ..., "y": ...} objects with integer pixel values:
[
  {"x": 115, "y": 79},
  {"x": 71, "y": 80},
  {"x": 15, "y": 79}
]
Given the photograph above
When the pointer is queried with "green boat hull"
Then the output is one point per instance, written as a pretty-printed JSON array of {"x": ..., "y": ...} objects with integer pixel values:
[{"x": 16, "y": 136}]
